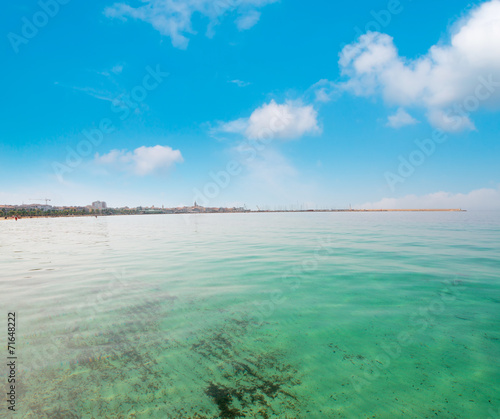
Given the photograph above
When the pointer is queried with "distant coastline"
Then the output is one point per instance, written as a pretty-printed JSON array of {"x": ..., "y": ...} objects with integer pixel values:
[{"x": 20, "y": 212}]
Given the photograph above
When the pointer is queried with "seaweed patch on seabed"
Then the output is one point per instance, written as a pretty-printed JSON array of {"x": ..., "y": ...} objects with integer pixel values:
[
  {"x": 96, "y": 363},
  {"x": 246, "y": 383},
  {"x": 143, "y": 367}
]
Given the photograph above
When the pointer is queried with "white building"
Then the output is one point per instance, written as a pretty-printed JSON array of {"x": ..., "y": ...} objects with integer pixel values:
[{"x": 99, "y": 205}]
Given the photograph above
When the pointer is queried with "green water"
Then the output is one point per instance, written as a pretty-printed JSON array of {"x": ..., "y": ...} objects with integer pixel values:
[{"x": 315, "y": 315}]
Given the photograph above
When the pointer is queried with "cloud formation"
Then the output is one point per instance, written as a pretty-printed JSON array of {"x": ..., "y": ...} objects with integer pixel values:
[
  {"x": 143, "y": 160},
  {"x": 479, "y": 199},
  {"x": 239, "y": 83},
  {"x": 276, "y": 121},
  {"x": 449, "y": 82},
  {"x": 400, "y": 119},
  {"x": 173, "y": 18}
]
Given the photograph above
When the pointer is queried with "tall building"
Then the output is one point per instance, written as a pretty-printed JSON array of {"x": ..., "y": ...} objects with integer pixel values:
[{"x": 99, "y": 205}]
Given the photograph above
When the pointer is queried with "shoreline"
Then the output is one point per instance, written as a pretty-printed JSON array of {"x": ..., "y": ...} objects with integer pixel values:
[{"x": 238, "y": 212}]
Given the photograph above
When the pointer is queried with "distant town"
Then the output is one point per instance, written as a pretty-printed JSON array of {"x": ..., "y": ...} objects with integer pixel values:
[{"x": 99, "y": 208}]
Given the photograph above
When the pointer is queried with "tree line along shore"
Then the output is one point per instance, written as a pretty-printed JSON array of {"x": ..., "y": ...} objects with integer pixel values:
[{"x": 82, "y": 212}]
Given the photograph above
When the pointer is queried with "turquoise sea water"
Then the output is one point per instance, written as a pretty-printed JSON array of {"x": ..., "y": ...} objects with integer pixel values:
[{"x": 287, "y": 315}]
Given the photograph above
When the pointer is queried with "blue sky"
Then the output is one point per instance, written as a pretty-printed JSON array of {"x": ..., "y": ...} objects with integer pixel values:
[{"x": 256, "y": 102}]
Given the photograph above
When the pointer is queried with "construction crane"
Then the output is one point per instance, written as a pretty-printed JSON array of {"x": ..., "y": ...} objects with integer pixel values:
[{"x": 44, "y": 199}]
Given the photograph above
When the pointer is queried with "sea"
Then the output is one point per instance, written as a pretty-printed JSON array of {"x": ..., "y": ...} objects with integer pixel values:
[{"x": 253, "y": 315}]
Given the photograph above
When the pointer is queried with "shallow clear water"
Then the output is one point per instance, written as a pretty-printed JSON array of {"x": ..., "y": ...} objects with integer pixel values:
[{"x": 315, "y": 315}]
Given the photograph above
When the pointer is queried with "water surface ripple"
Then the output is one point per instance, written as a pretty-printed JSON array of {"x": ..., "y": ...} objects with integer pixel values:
[{"x": 288, "y": 315}]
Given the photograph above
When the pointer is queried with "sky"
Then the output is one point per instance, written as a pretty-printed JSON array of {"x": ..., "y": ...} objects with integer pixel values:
[{"x": 262, "y": 103}]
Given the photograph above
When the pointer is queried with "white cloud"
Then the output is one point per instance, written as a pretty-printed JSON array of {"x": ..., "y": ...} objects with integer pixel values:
[
  {"x": 267, "y": 170},
  {"x": 100, "y": 94},
  {"x": 451, "y": 81},
  {"x": 451, "y": 123},
  {"x": 112, "y": 157},
  {"x": 240, "y": 83},
  {"x": 479, "y": 199},
  {"x": 324, "y": 91},
  {"x": 143, "y": 160},
  {"x": 238, "y": 126},
  {"x": 400, "y": 119},
  {"x": 276, "y": 121},
  {"x": 173, "y": 18},
  {"x": 248, "y": 20}
]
